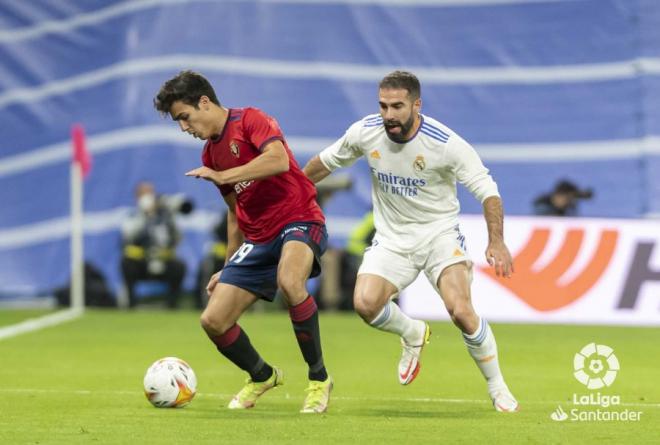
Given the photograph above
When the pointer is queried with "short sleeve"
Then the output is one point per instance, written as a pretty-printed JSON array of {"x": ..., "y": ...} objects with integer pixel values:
[
  {"x": 260, "y": 129},
  {"x": 345, "y": 151},
  {"x": 469, "y": 169}
]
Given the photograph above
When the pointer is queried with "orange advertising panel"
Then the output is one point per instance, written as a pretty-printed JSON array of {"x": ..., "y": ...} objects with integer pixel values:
[{"x": 567, "y": 270}]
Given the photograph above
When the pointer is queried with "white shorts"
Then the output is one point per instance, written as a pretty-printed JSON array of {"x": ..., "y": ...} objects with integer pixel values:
[{"x": 402, "y": 268}]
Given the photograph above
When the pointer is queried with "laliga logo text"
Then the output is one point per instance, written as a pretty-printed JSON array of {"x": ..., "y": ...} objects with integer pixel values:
[{"x": 595, "y": 366}]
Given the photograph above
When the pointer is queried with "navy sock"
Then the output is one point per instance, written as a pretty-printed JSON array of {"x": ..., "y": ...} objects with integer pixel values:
[
  {"x": 235, "y": 345},
  {"x": 305, "y": 320}
]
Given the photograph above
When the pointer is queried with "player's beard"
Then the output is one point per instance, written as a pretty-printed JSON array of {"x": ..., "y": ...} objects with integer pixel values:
[{"x": 402, "y": 136}]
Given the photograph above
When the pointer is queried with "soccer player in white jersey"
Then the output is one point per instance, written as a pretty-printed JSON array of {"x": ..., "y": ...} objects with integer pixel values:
[{"x": 415, "y": 162}]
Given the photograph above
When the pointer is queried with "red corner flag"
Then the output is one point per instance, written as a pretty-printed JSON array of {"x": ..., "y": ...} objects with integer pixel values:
[{"x": 80, "y": 152}]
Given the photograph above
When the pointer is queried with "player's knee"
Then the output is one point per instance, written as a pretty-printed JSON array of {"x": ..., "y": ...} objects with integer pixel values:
[
  {"x": 365, "y": 308},
  {"x": 461, "y": 313},
  {"x": 214, "y": 324},
  {"x": 207, "y": 321},
  {"x": 292, "y": 288}
]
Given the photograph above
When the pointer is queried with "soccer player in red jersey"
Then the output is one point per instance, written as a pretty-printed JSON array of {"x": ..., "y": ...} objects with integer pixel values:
[{"x": 276, "y": 232}]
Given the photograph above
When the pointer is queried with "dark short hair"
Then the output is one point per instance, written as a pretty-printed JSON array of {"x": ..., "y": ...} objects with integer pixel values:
[
  {"x": 567, "y": 187},
  {"x": 402, "y": 80},
  {"x": 188, "y": 87}
]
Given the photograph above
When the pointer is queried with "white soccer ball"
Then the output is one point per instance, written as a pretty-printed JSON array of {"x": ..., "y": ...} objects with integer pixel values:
[{"x": 170, "y": 383}]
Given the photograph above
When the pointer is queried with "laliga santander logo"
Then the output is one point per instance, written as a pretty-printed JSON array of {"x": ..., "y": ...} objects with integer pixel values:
[
  {"x": 541, "y": 289},
  {"x": 595, "y": 366}
]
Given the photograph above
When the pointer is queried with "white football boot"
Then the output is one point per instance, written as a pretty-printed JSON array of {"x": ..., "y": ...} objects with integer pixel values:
[
  {"x": 409, "y": 364},
  {"x": 503, "y": 400}
]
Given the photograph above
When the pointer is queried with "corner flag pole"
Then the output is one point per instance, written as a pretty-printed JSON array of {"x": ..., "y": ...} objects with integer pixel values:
[{"x": 80, "y": 167}]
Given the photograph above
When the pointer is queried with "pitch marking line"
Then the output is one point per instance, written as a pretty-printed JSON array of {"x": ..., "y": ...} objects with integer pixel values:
[
  {"x": 35, "y": 324},
  {"x": 287, "y": 396}
]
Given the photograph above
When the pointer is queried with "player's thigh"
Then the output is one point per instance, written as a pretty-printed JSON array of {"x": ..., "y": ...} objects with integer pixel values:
[
  {"x": 302, "y": 244},
  {"x": 372, "y": 292},
  {"x": 382, "y": 274},
  {"x": 454, "y": 286},
  {"x": 253, "y": 268},
  {"x": 445, "y": 251},
  {"x": 300, "y": 249},
  {"x": 225, "y": 307},
  {"x": 295, "y": 264}
]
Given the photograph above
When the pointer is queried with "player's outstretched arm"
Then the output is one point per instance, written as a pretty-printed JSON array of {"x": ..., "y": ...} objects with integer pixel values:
[
  {"x": 497, "y": 254},
  {"x": 272, "y": 161},
  {"x": 315, "y": 170}
]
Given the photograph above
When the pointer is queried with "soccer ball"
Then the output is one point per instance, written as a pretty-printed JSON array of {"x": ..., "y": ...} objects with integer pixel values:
[{"x": 170, "y": 383}]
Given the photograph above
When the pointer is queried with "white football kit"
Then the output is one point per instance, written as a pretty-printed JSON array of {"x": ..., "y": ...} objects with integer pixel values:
[{"x": 414, "y": 195}]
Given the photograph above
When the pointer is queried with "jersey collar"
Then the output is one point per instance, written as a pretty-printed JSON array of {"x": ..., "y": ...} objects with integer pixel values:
[{"x": 224, "y": 127}]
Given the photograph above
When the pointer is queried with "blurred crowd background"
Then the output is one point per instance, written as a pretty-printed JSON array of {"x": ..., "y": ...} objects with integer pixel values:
[{"x": 550, "y": 93}]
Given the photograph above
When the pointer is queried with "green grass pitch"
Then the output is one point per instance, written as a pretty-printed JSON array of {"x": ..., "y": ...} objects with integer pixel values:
[{"x": 81, "y": 382}]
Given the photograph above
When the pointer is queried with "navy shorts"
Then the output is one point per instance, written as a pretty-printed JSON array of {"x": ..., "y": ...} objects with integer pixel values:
[{"x": 254, "y": 266}]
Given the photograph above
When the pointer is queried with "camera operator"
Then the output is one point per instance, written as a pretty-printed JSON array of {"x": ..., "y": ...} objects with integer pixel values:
[
  {"x": 150, "y": 237},
  {"x": 562, "y": 201}
]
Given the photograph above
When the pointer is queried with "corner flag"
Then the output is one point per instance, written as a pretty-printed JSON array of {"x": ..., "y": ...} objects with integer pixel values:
[
  {"x": 81, "y": 164},
  {"x": 80, "y": 153}
]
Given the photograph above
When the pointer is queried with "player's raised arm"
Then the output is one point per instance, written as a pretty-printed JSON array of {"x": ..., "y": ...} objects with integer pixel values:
[{"x": 315, "y": 170}]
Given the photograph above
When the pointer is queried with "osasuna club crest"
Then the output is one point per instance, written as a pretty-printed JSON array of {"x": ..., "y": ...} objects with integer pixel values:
[
  {"x": 233, "y": 146},
  {"x": 419, "y": 164}
]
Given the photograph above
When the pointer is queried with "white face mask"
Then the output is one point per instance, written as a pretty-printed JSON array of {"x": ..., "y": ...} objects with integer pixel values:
[{"x": 147, "y": 202}]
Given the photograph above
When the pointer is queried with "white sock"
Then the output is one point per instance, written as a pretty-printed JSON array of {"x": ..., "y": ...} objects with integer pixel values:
[
  {"x": 482, "y": 347},
  {"x": 392, "y": 319}
]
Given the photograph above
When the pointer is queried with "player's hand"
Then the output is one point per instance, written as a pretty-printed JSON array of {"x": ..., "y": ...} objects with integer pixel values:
[
  {"x": 206, "y": 173},
  {"x": 498, "y": 256},
  {"x": 215, "y": 278}
]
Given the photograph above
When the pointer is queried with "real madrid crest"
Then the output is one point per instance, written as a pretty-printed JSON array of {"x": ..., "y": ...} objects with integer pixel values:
[
  {"x": 419, "y": 164},
  {"x": 233, "y": 146}
]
